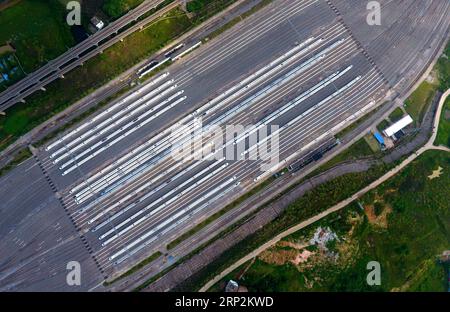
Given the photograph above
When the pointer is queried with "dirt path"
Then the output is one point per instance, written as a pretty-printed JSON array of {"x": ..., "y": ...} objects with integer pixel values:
[
  {"x": 6, "y": 48},
  {"x": 7, "y": 4},
  {"x": 428, "y": 146}
]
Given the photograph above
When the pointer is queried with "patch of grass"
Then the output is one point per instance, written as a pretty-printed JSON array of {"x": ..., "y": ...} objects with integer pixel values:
[
  {"x": 273, "y": 278},
  {"x": 383, "y": 125},
  {"x": 239, "y": 18},
  {"x": 95, "y": 72},
  {"x": 15, "y": 123},
  {"x": 117, "y": 8},
  {"x": 443, "y": 69},
  {"x": 38, "y": 31},
  {"x": 396, "y": 115},
  {"x": 204, "y": 9},
  {"x": 443, "y": 135},
  {"x": 417, "y": 232},
  {"x": 135, "y": 268},
  {"x": 196, "y": 5},
  {"x": 431, "y": 277},
  {"x": 372, "y": 142},
  {"x": 21, "y": 156},
  {"x": 359, "y": 149},
  {"x": 419, "y": 222},
  {"x": 418, "y": 102}
]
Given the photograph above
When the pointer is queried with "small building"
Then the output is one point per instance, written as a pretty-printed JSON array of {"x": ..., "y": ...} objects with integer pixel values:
[
  {"x": 379, "y": 138},
  {"x": 97, "y": 23},
  {"x": 232, "y": 286},
  {"x": 445, "y": 257},
  {"x": 398, "y": 126},
  {"x": 322, "y": 236}
]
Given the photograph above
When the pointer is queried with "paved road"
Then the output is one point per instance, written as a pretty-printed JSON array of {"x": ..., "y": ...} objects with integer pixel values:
[
  {"x": 428, "y": 146},
  {"x": 79, "y": 54}
]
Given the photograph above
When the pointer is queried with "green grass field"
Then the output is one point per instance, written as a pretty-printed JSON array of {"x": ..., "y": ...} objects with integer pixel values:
[
  {"x": 79, "y": 82},
  {"x": 443, "y": 136},
  {"x": 203, "y": 9},
  {"x": 20, "y": 157},
  {"x": 405, "y": 226},
  {"x": 383, "y": 125},
  {"x": 135, "y": 268},
  {"x": 396, "y": 115},
  {"x": 195, "y": 6},
  {"x": 419, "y": 100},
  {"x": 38, "y": 31},
  {"x": 443, "y": 69},
  {"x": 372, "y": 142},
  {"x": 117, "y": 8}
]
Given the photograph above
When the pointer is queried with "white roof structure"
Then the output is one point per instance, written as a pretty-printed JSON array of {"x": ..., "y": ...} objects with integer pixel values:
[
  {"x": 399, "y": 125},
  {"x": 98, "y": 23}
]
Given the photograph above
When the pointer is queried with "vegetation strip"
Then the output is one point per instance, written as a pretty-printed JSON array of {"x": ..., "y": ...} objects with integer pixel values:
[
  {"x": 135, "y": 268},
  {"x": 443, "y": 137},
  {"x": 237, "y": 19},
  {"x": 20, "y": 157}
]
